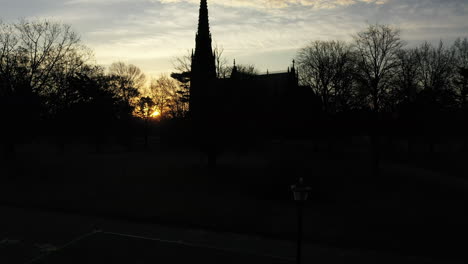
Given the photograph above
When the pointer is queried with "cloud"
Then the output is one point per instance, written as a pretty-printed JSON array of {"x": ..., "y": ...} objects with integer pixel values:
[
  {"x": 265, "y": 4},
  {"x": 149, "y": 33},
  {"x": 420, "y": 20}
]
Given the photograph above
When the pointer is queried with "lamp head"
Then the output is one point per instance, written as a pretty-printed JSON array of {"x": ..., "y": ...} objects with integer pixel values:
[{"x": 300, "y": 190}]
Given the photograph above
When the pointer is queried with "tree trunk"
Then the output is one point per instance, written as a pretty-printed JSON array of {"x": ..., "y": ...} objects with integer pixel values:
[
  {"x": 146, "y": 134},
  {"x": 375, "y": 148},
  {"x": 375, "y": 152}
]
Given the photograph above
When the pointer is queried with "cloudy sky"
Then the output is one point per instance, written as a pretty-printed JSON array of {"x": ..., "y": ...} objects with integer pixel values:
[{"x": 266, "y": 33}]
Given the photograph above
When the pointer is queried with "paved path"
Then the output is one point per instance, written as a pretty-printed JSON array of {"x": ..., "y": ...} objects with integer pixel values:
[
  {"x": 35, "y": 237},
  {"x": 106, "y": 247}
]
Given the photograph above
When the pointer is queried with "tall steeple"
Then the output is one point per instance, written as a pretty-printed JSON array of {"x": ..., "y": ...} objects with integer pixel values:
[
  {"x": 203, "y": 23},
  {"x": 203, "y": 65},
  {"x": 204, "y": 59}
]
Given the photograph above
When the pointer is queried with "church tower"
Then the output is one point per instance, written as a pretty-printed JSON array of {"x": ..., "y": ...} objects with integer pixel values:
[{"x": 203, "y": 67}]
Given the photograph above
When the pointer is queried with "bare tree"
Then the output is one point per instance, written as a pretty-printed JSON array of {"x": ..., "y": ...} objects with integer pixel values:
[
  {"x": 36, "y": 59},
  {"x": 433, "y": 65},
  {"x": 405, "y": 85},
  {"x": 145, "y": 108},
  {"x": 60, "y": 93},
  {"x": 39, "y": 51},
  {"x": 183, "y": 67},
  {"x": 222, "y": 70},
  {"x": 436, "y": 69},
  {"x": 129, "y": 72},
  {"x": 8, "y": 60},
  {"x": 377, "y": 50},
  {"x": 160, "y": 92},
  {"x": 129, "y": 81},
  {"x": 44, "y": 46},
  {"x": 461, "y": 80},
  {"x": 327, "y": 67},
  {"x": 169, "y": 97},
  {"x": 183, "y": 63}
]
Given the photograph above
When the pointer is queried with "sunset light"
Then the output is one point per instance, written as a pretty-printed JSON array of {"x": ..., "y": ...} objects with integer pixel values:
[
  {"x": 155, "y": 114},
  {"x": 233, "y": 131}
]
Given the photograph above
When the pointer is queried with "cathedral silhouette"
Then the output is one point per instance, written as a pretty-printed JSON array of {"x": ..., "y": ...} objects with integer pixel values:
[{"x": 244, "y": 101}]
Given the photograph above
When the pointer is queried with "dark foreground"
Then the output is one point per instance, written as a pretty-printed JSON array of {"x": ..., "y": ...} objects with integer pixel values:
[
  {"x": 119, "y": 248},
  {"x": 409, "y": 210},
  {"x": 31, "y": 236}
]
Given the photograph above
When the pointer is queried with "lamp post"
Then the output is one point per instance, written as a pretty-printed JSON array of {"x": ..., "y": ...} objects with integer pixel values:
[{"x": 301, "y": 192}]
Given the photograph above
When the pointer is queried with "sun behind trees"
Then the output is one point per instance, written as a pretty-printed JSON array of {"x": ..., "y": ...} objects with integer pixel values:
[
  {"x": 170, "y": 99},
  {"x": 48, "y": 77},
  {"x": 48, "y": 74}
]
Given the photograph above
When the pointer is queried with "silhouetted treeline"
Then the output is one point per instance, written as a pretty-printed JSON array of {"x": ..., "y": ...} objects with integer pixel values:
[
  {"x": 50, "y": 87},
  {"x": 376, "y": 73},
  {"x": 373, "y": 85}
]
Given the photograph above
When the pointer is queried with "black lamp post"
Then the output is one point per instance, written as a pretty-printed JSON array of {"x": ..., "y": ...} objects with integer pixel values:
[{"x": 301, "y": 192}]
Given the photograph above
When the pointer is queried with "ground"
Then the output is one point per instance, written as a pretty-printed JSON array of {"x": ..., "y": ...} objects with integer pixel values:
[
  {"x": 408, "y": 211},
  {"x": 32, "y": 236}
]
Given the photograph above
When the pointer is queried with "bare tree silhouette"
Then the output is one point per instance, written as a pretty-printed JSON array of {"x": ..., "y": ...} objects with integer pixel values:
[
  {"x": 377, "y": 50},
  {"x": 327, "y": 67},
  {"x": 170, "y": 97},
  {"x": 128, "y": 82}
]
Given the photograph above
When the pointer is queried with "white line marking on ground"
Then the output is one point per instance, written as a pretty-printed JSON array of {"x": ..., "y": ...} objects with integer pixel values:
[
  {"x": 180, "y": 242},
  {"x": 79, "y": 238}
]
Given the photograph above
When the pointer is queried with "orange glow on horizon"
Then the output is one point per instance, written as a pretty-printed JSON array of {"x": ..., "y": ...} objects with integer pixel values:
[{"x": 155, "y": 114}]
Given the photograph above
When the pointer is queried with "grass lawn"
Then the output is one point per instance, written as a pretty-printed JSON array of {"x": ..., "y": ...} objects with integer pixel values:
[{"x": 248, "y": 192}]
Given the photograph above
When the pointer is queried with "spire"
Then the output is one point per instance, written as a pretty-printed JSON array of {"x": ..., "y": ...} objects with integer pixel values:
[
  {"x": 203, "y": 38},
  {"x": 293, "y": 69},
  {"x": 203, "y": 70},
  {"x": 234, "y": 70},
  {"x": 203, "y": 23},
  {"x": 204, "y": 59},
  {"x": 293, "y": 74}
]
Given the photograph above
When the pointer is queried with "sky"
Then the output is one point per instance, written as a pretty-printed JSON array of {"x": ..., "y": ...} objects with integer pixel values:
[{"x": 265, "y": 33}]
